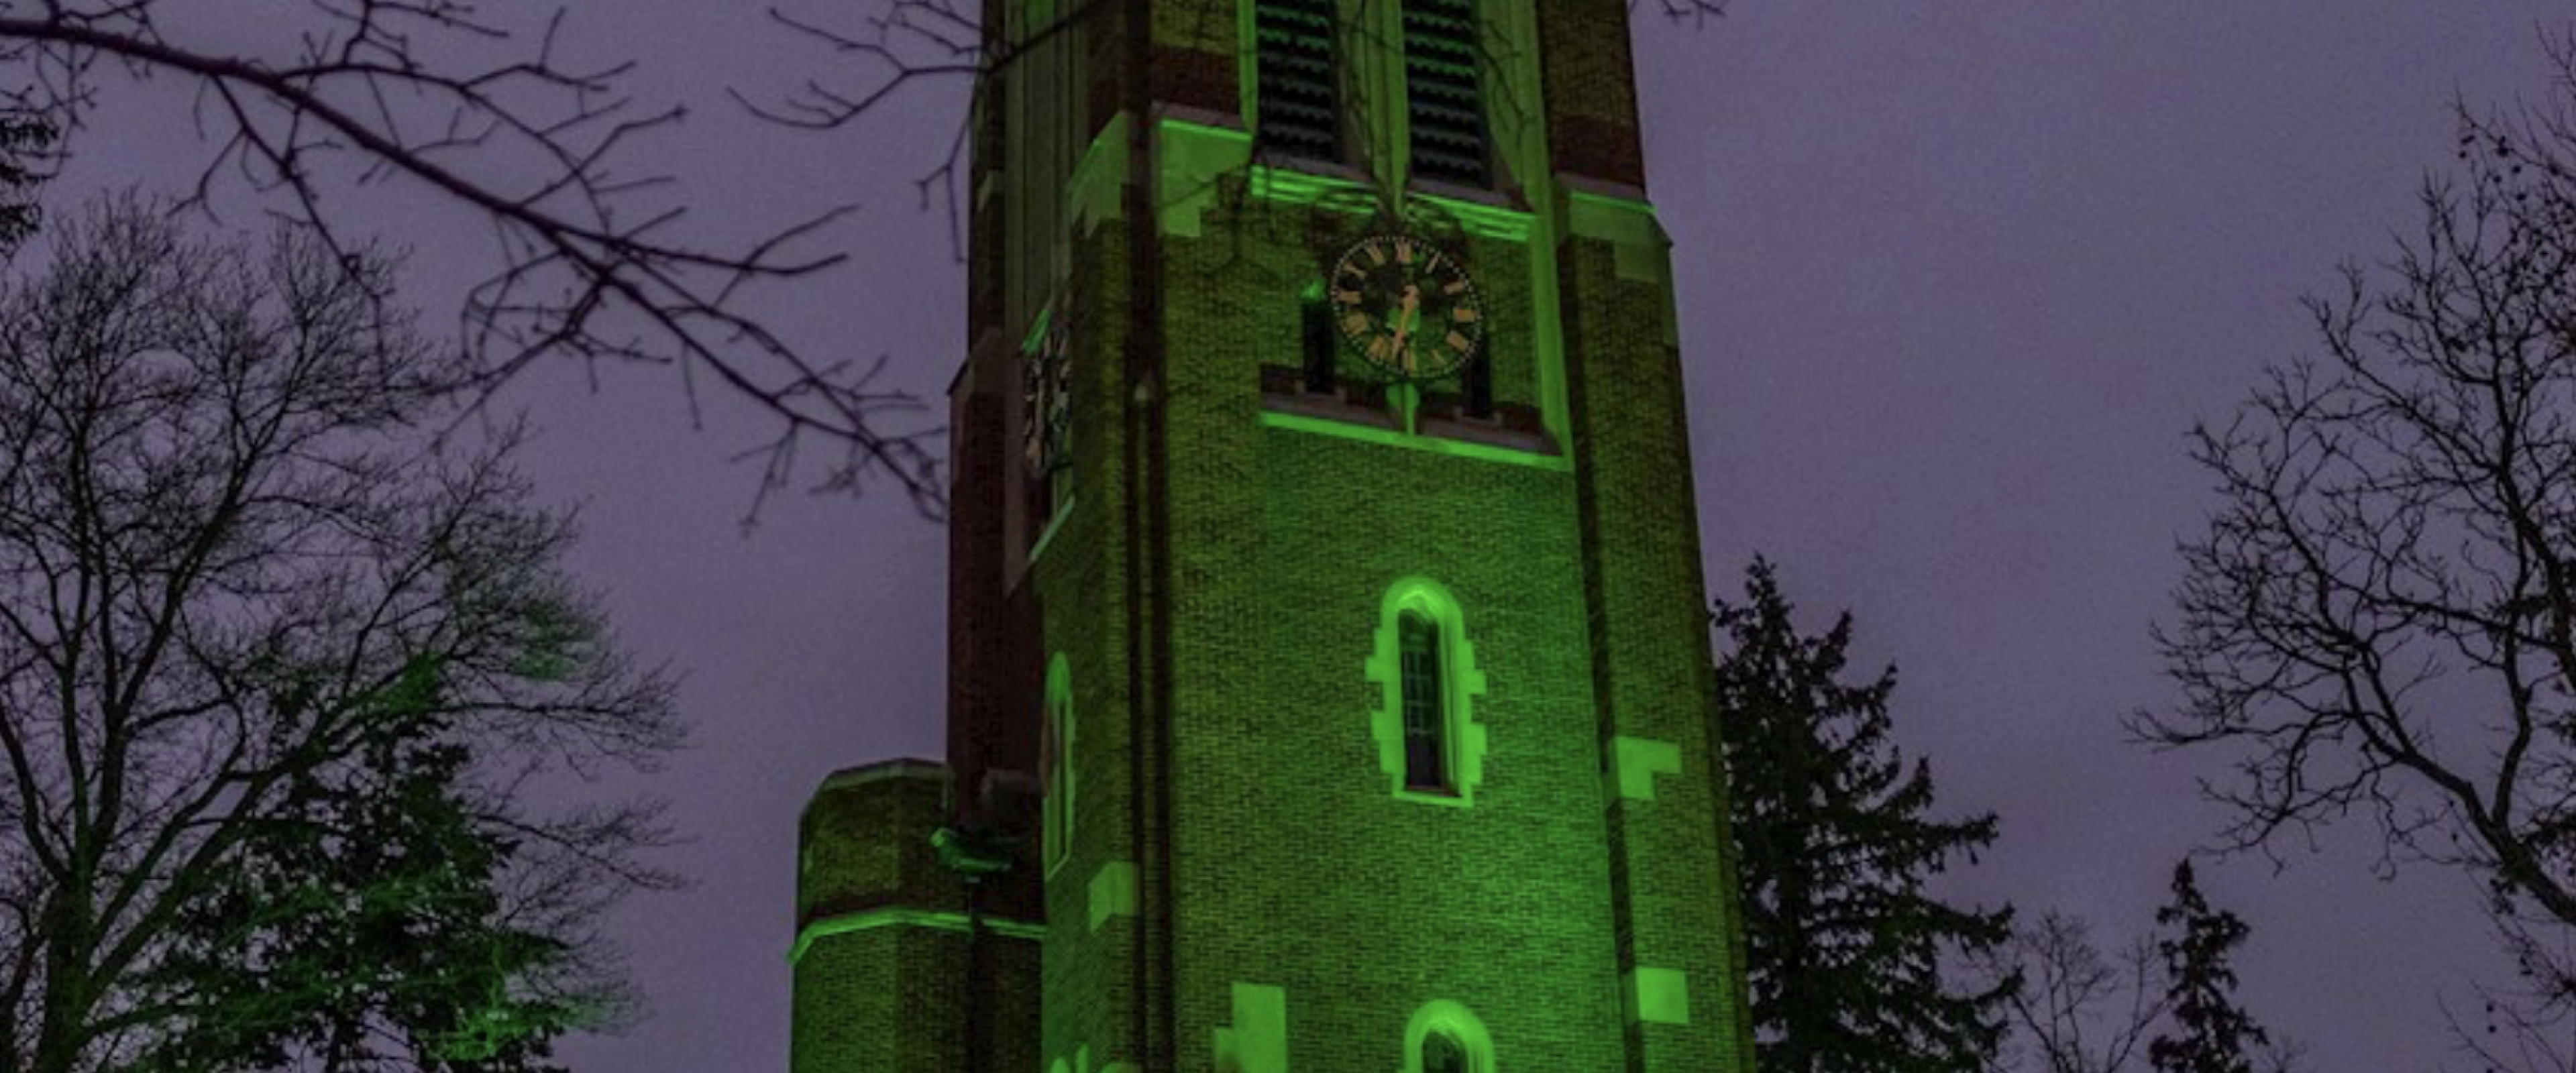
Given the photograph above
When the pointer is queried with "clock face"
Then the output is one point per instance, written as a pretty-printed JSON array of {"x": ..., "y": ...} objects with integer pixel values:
[
  {"x": 1045, "y": 411},
  {"x": 1407, "y": 306}
]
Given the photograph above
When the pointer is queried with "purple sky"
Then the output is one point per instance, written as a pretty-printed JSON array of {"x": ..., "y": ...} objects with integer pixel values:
[{"x": 1955, "y": 279}]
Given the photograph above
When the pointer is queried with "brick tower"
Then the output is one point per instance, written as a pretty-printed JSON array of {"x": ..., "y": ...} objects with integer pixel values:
[{"x": 1329, "y": 679}]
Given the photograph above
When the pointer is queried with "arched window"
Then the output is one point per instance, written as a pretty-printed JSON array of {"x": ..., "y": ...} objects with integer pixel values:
[
  {"x": 1444, "y": 102},
  {"x": 1441, "y": 1053},
  {"x": 1446, "y": 1037},
  {"x": 1056, "y": 826},
  {"x": 1426, "y": 731},
  {"x": 1298, "y": 78},
  {"x": 1429, "y": 745}
]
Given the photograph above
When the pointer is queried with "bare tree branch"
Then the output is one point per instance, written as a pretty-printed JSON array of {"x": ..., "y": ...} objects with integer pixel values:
[
  {"x": 2381, "y": 615},
  {"x": 483, "y": 114},
  {"x": 2077, "y": 1011}
]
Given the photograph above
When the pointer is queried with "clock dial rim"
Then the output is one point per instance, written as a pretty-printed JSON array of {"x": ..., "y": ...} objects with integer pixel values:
[{"x": 1463, "y": 294}]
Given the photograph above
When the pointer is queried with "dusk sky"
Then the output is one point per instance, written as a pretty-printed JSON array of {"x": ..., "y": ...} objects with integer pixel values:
[{"x": 1955, "y": 280}]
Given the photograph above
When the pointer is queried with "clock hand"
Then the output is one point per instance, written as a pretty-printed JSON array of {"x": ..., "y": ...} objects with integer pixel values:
[{"x": 1411, "y": 306}]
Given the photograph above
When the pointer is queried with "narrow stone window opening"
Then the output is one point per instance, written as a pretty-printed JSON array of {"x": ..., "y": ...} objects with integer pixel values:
[
  {"x": 1441, "y": 1053},
  {"x": 1426, "y": 717},
  {"x": 1476, "y": 382},
  {"x": 1423, "y": 667},
  {"x": 1321, "y": 341},
  {"x": 1445, "y": 1037}
]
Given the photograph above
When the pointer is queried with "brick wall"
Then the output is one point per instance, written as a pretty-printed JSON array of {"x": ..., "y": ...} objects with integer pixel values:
[{"x": 886, "y": 973}]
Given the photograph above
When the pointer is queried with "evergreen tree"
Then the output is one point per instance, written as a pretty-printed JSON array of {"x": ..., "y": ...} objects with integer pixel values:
[
  {"x": 1845, "y": 951},
  {"x": 2215, "y": 1035}
]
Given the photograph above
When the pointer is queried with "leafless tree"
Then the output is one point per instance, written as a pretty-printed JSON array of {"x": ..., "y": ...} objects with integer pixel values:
[
  {"x": 479, "y": 108},
  {"x": 2077, "y": 1010},
  {"x": 273, "y": 677},
  {"x": 2082, "y": 1011},
  {"x": 2381, "y": 615},
  {"x": 481, "y": 111},
  {"x": 2526, "y": 1025}
]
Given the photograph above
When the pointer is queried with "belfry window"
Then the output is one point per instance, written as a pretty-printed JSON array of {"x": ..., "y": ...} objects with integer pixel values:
[
  {"x": 1426, "y": 718},
  {"x": 1445, "y": 107},
  {"x": 1298, "y": 66}
]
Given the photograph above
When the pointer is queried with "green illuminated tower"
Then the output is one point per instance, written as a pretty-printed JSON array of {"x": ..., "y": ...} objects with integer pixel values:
[{"x": 1329, "y": 670}]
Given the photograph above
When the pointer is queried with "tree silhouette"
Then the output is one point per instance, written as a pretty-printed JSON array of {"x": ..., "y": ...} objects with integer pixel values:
[
  {"x": 2381, "y": 614},
  {"x": 2210, "y": 1033},
  {"x": 2077, "y": 1010},
  {"x": 479, "y": 110},
  {"x": 273, "y": 672},
  {"x": 1845, "y": 951}
]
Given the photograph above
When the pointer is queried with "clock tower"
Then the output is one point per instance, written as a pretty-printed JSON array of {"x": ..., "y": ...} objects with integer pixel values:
[{"x": 1329, "y": 670}]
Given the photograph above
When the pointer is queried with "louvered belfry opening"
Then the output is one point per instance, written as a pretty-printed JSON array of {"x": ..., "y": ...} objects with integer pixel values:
[
  {"x": 1446, "y": 110},
  {"x": 1300, "y": 80}
]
